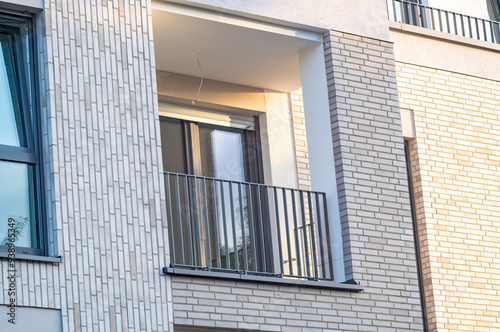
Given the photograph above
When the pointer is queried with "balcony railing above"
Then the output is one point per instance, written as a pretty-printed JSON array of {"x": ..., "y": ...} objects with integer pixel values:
[
  {"x": 442, "y": 20},
  {"x": 247, "y": 228}
]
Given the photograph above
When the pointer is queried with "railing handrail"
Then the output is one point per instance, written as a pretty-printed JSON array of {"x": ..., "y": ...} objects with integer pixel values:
[
  {"x": 242, "y": 182},
  {"x": 443, "y": 20}
]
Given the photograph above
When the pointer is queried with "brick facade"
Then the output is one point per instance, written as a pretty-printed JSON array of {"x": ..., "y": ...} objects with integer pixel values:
[{"x": 456, "y": 161}]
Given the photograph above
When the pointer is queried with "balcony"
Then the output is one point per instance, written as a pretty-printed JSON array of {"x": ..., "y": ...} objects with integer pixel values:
[
  {"x": 248, "y": 231},
  {"x": 444, "y": 21}
]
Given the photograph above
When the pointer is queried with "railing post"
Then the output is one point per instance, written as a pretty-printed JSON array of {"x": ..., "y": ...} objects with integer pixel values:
[{"x": 169, "y": 218}]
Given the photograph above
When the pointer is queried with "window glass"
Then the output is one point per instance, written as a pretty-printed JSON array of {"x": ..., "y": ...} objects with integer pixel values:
[
  {"x": 20, "y": 194},
  {"x": 222, "y": 154},
  {"x": 17, "y": 203},
  {"x": 11, "y": 128},
  {"x": 172, "y": 145}
]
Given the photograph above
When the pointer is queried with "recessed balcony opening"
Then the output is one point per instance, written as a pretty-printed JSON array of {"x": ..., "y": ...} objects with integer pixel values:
[{"x": 233, "y": 200}]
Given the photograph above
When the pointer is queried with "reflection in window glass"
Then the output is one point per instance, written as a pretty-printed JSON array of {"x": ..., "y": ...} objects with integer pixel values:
[
  {"x": 172, "y": 145},
  {"x": 17, "y": 202},
  {"x": 222, "y": 154},
  {"x": 11, "y": 128}
]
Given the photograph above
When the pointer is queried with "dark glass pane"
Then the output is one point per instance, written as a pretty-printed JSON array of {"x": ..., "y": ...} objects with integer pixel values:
[
  {"x": 172, "y": 146},
  {"x": 11, "y": 124},
  {"x": 17, "y": 203},
  {"x": 222, "y": 154}
]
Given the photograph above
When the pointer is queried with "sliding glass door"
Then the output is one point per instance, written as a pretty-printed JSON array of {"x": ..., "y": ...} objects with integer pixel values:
[{"x": 215, "y": 223}]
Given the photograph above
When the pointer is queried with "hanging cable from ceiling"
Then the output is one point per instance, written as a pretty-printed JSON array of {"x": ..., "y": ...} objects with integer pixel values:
[{"x": 201, "y": 79}]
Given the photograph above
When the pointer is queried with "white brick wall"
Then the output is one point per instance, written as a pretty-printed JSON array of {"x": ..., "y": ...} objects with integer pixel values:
[{"x": 456, "y": 167}]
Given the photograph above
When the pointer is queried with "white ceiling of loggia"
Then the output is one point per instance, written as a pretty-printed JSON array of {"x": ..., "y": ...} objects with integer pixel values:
[{"x": 227, "y": 52}]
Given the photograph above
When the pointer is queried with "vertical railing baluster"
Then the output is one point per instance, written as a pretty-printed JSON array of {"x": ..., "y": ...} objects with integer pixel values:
[
  {"x": 433, "y": 24},
  {"x": 491, "y": 32},
  {"x": 188, "y": 221},
  {"x": 169, "y": 218},
  {"x": 296, "y": 233},
  {"x": 313, "y": 234},
  {"x": 455, "y": 23},
  {"x": 226, "y": 243},
  {"x": 179, "y": 216},
  {"x": 424, "y": 17},
  {"x": 261, "y": 228},
  {"x": 287, "y": 225},
  {"x": 470, "y": 26},
  {"x": 208, "y": 255},
  {"x": 197, "y": 223},
  {"x": 251, "y": 226},
  {"x": 394, "y": 11},
  {"x": 233, "y": 224},
  {"x": 243, "y": 238},
  {"x": 304, "y": 231},
  {"x": 320, "y": 235},
  {"x": 440, "y": 20},
  {"x": 477, "y": 28},
  {"x": 278, "y": 225},
  {"x": 495, "y": 33},
  {"x": 401, "y": 9},
  {"x": 328, "y": 236},
  {"x": 414, "y": 14},
  {"x": 484, "y": 30},
  {"x": 498, "y": 33},
  {"x": 216, "y": 223},
  {"x": 463, "y": 26},
  {"x": 447, "y": 20}
]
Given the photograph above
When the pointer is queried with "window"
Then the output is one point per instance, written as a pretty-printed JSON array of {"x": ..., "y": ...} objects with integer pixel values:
[
  {"x": 221, "y": 156},
  {"x": 209, "y": 150},
  {"x": 20, "y": 187}
]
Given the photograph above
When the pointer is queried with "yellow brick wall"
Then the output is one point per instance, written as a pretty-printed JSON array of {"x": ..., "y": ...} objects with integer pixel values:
[{"x": 456, "y": 174}]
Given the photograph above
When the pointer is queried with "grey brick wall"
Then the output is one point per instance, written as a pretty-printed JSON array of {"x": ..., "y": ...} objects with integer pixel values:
[
  {"x": 376, "y": 219},
  {"x": 104, "y": 188}
]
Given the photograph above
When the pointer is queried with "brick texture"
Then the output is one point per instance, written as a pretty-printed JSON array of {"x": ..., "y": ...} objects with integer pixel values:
[{"x": 456, "y": 166}]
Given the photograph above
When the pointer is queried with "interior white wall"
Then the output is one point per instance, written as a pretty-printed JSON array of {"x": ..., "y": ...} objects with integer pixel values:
[
  {"x": 278, "y": 148},
  {"x": 320, "y": 144}
]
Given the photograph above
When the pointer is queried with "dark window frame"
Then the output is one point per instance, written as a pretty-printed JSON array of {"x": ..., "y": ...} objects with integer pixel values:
[
  {"x": 25, "y": 64},
  {"x": 252, "y": 152}
]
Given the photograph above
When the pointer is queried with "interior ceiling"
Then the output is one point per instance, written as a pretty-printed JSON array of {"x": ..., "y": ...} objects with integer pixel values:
[{"x": 226, "y": 52}]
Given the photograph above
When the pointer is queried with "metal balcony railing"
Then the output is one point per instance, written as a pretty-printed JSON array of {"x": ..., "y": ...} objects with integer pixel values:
[
  {"x": 247, "y": 228},
  {"x": 442, "y": 20}
]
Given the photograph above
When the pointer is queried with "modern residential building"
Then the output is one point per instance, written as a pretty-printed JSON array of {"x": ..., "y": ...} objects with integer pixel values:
[{"x": 295, "y": 165}]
